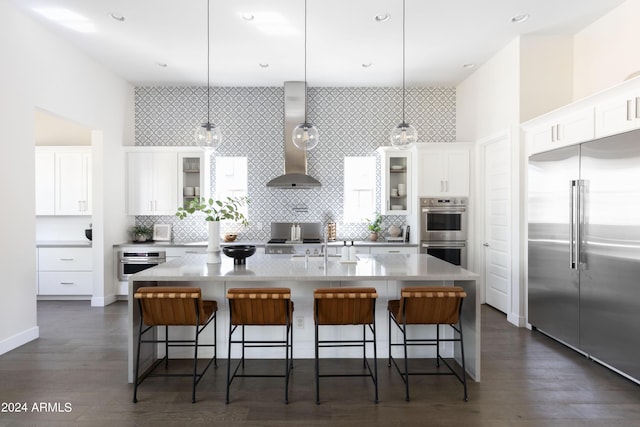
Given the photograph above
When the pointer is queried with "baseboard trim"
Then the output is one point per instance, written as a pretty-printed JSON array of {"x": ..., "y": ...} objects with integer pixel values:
[
  {"x": 103, "y": 301},
  {"x": 514, "y": 319},
  {"x": 17, "y": 340}
]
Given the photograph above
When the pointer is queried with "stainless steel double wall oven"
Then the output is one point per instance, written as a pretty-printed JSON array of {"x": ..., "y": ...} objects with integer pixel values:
[{"x": 443, "y": 228}]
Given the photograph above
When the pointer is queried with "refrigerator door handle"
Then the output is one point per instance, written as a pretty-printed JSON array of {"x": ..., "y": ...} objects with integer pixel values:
[
  {"x": 580, "y": 223},
  {"x": 573, "y": 195}
]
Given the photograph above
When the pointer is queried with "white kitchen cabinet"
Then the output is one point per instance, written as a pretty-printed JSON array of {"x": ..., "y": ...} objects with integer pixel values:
[
  {"x": 45, "y": 185},
  {"x": 618, "y": 114},
  {"x": 63, "y": 181},
  {"x": 192, "y": 170},
  {"x": 396, "y": 191},
  {"x": 152, "y": 182},
  {"x": 443, "y": 169},
  {"x": 73, "y": 183},
  {"x": 561, "y": 130},
  {"x": 65, "y": 271}
]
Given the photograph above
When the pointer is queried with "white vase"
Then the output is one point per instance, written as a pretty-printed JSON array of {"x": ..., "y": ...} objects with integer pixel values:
[{"x": 213, "y": 246}]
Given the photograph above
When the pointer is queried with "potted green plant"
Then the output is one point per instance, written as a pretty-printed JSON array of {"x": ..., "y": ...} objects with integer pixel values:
[
  {"x": 215, "y": 211},
  {"x": 141, "y": 233},
  {"x": 374, "y": 226}
]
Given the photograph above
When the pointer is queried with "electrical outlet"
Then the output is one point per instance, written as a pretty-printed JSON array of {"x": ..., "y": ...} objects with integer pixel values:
[{"x": 299, "y": 322}]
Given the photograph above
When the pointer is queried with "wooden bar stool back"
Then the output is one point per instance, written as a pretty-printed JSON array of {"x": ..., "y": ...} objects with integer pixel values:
[
  {"x": 346, "y": 306},
  {"x": 174, "y": 306},
  {"x": 428, "y": 305},
  {"x": 260, "y": 307}
]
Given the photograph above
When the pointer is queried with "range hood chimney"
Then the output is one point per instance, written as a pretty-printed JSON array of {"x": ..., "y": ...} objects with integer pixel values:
[{"x": 295, "y": 160}]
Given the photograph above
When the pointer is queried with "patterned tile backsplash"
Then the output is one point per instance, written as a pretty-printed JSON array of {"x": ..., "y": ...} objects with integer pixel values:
[{"x": 353, "y": 121}]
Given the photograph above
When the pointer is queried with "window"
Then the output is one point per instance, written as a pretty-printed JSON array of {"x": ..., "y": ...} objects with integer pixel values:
[
  {"x": 231, "y": 178},
  {"x": 359, "y": 188}
]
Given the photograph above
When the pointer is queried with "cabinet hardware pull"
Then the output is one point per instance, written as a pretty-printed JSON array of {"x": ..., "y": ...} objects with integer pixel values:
[
  {"x": 67, "y": 283},
  {"x": 394, "y": 252},
  {"x": 66, "y": 259},
  {"x": 629, "y": 106},
  {"x": 637, "y": 107}
]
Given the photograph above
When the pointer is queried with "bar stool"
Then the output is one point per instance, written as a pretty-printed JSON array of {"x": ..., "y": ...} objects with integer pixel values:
[
  {"x": 346, "y": 306},
  {"x": 174, "y": 306},
  {"x": 260, "y": 307},
  {"x": 428, "y": 305}
]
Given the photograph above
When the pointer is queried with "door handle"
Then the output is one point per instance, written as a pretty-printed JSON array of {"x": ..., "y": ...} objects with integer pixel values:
[{"x": 486, "y": 245}]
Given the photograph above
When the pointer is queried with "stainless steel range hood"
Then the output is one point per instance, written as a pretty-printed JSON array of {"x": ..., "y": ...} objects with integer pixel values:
[{"x": 295, "y": 160}]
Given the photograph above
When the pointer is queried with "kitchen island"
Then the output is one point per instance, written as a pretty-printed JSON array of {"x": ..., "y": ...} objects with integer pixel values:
[{"x": 388, "y": 273}]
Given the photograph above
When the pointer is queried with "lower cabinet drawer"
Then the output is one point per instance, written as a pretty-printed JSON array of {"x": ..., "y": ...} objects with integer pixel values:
[
  {"x": 64, "y": 259},
  {"x": 394, "y": 250},
  {"x": 65, "y": 283}
]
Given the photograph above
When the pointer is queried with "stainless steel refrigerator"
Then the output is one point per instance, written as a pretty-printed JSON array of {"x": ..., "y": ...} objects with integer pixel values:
[{"x": 584, "y": 248}]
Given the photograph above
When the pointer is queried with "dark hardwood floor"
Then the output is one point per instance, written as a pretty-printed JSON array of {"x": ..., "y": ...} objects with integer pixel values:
[{"x": 77, "y": 368}]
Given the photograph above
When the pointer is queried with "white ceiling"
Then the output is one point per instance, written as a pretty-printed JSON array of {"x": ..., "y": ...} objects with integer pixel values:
[{"x": 441, "y": 36}]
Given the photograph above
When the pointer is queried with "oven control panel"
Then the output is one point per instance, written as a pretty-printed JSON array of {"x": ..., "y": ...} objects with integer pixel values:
[{"x": 436, "y": 201}]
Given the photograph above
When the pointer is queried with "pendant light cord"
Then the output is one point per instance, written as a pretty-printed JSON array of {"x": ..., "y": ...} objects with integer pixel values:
[
  {"x": 306, "y": 106},
  {"x": 403, "y": 57},
  {"x": 208, "y": 65}
]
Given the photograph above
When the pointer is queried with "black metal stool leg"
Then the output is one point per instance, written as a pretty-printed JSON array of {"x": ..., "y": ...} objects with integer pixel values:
[
  {"x": 135, "y": 379},
  {"x": 406, "y": 362},
  {"x": 317, "y": 365},
  {"x": 229, "y": 357},
  {"x": 375, "y": 359}
]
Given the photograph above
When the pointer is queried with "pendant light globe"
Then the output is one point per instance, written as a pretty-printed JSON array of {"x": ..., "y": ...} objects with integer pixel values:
[
  {"x": 403, "y": 136},
  {"x": 208, "y": 136},
  {"x": 305, "y": 136}
]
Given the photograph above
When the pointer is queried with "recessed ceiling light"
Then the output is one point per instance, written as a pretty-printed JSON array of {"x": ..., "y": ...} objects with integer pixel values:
[
  {"x": 264, "y": 65},
  {"x": 161, "y": 64},
  {"x": 248, "y": 16},
  {"x": 382, "y": 17},
  {"x": 117, "y": 17},
  {"x": 469, "y": 65},
  {"x": 366, "y": 65},
  {"x": 518, "y": 19}
]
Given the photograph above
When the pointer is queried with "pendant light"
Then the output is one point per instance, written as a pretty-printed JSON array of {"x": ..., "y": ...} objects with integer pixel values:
[
  {"x": 208, "y": 135},
  {"x": 305, "y": 135},
  {"x": 404, "y": 135}
]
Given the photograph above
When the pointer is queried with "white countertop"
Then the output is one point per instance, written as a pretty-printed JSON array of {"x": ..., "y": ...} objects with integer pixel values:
[
  {"x": 258, "y": 243},
  {"x": 63, "y": 244},
  {"x": 263, "y": 267}
]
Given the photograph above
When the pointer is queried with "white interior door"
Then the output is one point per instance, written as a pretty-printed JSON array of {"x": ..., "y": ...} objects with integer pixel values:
[{"x": 497, "y": 221}]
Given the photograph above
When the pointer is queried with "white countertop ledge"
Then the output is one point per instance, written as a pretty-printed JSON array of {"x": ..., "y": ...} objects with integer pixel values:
[{"x": 263, "y": 267}]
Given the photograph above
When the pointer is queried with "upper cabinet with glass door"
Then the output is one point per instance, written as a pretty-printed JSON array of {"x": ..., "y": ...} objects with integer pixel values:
[
  {"x": 192, "y": 184},
  {"x": 396, "y": 190}
]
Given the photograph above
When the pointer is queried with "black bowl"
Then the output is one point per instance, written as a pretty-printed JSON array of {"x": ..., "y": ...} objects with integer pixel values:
[
  {"x": 88, "y": 233},
  {"x": 239, "y": 252}
]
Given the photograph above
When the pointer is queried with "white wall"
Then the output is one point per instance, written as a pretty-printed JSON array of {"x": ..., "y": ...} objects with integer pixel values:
[
  {"x": 488, "y": 100},
  {"x": 606, "y": 52},
  {"x": 546, "y": 74},
  {"x": 488, "y": 103},
  {"x": 41, "y": 71}
]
